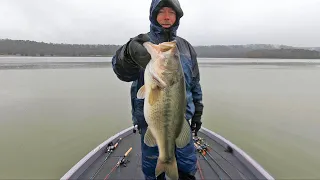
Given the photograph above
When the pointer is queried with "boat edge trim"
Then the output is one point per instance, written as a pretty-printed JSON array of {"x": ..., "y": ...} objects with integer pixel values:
[
  {"x": 255, "y": 164},
  {"x": 80, "y": 163}
]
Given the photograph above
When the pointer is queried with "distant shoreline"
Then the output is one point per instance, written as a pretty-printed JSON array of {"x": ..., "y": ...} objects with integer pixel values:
[
  {"x": 104, "y": 64},
  {"x": 27, "y": 48},
  {"x": 197, "y": 57},
  {"x": 53, "y": 56}
]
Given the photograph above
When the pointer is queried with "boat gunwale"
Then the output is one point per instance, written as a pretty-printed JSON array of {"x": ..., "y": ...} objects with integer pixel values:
[
  {"x": 76, "y": 171},
  {"x": 243, "y": 157}
]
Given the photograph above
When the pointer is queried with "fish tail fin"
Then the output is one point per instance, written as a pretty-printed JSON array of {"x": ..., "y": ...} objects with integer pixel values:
[{"x": 170, "y": 169}]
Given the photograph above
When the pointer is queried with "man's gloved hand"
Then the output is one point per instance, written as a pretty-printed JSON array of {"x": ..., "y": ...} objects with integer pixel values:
[
  {"x": 196, "y": 119},
  {"x": 137, "y": 51},
  {"x": 195, "y": 126}
]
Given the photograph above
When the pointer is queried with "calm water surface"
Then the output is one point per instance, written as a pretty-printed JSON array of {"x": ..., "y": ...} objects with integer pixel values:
[{"x": 51, "y": 118}]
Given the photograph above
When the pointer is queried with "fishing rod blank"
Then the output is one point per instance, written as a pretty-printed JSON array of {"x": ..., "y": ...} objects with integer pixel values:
[
  {"x": 121, "y": 161},
  {"x": 217, "y": 163},
  {"x": 200, "y": 170},
  {"x": 199, "y": 150},
  {"x": 109, "y": 150},
  {"x": 205, "y": 144}
]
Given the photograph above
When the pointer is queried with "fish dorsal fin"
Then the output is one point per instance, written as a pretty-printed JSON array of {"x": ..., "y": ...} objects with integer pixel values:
[
  {"x": 142, "y": 92},
  {"x": 184, "y": 136},
  {"x": 149, "y": 140}
]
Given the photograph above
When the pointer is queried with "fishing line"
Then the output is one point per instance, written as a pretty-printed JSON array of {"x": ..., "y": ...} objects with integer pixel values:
[
  {"x": 198, "y": 148},
  {"x": 218, "y": 164},
  {"x": 109, "y": 150},
  {"x": 200, "y": 170},
  {"x": 243, "y": 175},
  {"x": 121, "y": 161}
]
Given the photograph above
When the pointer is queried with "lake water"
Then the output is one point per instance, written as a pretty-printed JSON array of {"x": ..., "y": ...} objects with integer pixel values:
[{"x": 50, "y": 118}]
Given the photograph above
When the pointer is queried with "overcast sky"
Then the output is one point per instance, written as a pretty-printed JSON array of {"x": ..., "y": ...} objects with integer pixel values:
[{"x": 205, "y": 22}]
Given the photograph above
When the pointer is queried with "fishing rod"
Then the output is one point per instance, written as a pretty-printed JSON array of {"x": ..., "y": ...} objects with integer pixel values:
[
  {"x": 200, "y": 141},
  {"x": 200, "y": 170},
  {"x": 111, "y": 147},
  {"x": 121, "y": 161},
  {"x": 204, "y": 151},
  {"x": 201, "y": 152}
]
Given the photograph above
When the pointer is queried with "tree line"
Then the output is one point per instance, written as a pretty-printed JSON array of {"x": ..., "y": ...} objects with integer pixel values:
[{"x": 33, "y": 48}]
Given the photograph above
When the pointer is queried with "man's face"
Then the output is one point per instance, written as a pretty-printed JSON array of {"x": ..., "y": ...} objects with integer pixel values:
[{"x": 166, "y": 17}]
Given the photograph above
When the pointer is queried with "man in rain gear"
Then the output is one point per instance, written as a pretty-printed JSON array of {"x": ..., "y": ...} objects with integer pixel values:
[{"x": 129, "y": 63}]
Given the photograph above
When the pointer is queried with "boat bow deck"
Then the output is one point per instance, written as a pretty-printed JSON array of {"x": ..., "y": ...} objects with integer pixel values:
[{"x": 218, "y": 163}]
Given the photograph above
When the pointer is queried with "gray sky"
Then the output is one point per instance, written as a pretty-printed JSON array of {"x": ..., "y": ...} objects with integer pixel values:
[{"x": 205, "y": 22}]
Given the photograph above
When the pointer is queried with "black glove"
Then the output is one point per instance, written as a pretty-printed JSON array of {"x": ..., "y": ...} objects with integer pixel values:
[
  {"x": 196, "y": 120},
  {"x": 195, "y": 126},
  {"x": 137, "y": 52}
]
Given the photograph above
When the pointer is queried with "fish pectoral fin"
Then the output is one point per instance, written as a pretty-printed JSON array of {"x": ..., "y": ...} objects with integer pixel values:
[
  {"x": 154, "y": 95},
  {"x": 184, "y": 136},
  {"x": 170, "y": 168},
  {"x": 149, "y": 140},
  {"x": 142, "y": 92}
]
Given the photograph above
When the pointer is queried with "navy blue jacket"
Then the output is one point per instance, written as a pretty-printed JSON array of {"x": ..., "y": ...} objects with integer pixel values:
[{"x": 127, "y": 71}]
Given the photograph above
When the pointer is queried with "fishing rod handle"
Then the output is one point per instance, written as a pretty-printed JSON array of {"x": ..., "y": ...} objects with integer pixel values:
[
  {"x": 126, "y": 154},
  {"x": 115, "y": 145}
]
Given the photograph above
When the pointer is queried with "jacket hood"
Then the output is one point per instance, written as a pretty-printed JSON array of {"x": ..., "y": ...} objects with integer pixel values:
[{"x": 158, "y": 33}]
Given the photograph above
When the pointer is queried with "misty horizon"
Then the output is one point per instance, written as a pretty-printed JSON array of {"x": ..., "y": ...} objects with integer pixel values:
[
  {"x": 208, "y": 22},
  {"x": 280, "y": 45}
]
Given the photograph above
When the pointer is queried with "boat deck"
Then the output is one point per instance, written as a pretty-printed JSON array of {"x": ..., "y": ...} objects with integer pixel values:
[{"x": 223, "y": 163}]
